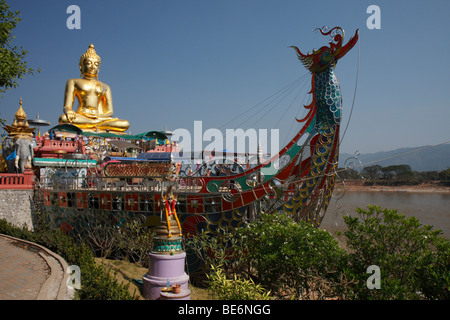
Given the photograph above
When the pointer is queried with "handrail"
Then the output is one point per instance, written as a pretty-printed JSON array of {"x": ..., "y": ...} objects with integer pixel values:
[
  {"x": 117, "y": 183},
  {"x": 17, "y": 181}
]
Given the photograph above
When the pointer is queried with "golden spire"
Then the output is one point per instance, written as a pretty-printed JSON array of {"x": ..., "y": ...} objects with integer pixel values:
[
  {"x": 21, "y": 116},
  {"x": 20, "y": 124}
]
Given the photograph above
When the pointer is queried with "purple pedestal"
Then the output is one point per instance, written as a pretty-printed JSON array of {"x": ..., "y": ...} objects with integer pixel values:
[{"x": 163, "y": 267}]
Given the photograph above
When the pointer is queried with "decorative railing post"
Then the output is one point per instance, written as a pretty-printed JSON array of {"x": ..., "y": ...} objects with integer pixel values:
[{"x": 17, "y": 181}]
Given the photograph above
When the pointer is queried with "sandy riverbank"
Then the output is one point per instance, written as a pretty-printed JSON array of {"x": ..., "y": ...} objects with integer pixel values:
[{"x": 425, "y": 187}]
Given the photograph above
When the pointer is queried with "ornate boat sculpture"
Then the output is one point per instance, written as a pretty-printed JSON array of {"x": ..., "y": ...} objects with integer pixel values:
[{"x": 297, "y": 181}]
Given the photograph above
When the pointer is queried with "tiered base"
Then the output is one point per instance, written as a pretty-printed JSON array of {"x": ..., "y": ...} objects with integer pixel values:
[{"x": 164, "y": 268}]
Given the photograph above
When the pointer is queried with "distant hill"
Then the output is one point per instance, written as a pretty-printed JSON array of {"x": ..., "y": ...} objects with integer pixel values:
[{"x": 427, "y": 158}]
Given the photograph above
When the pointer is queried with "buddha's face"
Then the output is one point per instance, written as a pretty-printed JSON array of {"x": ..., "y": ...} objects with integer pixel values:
[{"x": 90, "y": 66}]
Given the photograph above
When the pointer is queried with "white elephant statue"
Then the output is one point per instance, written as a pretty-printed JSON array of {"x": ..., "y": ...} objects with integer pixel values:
[{"x": 22, "y": 146}]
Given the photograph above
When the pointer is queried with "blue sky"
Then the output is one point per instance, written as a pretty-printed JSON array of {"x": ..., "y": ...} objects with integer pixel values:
[{"x": 171, "y": 62}]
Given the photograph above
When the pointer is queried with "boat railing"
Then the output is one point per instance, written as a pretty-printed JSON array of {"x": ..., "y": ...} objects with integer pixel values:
[{"x": 134, "y": 184}]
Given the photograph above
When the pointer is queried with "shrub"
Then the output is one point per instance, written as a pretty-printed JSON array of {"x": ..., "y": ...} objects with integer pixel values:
[
  {"x": 99, "y": 284},
  {"x": 101, "y": 234},
  {"x": 224, "y": 250},
  {"x": 293, "y": 258},
  {"x": 413, "y": 259},
  {"x": 107, "y": 239},
  {"x": 134, "y": 242},
  {"x": 234, "y": 289}
]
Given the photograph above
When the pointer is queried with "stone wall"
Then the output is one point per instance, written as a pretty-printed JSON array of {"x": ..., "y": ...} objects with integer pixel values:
[{"x": 16, "y": 206}]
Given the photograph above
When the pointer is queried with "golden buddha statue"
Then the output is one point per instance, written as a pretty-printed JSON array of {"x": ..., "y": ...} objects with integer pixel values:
[{"x": 95, "y": 109}]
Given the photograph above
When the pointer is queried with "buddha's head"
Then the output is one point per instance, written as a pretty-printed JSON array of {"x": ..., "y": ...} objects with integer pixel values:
[{"x": 90, "y": 62}]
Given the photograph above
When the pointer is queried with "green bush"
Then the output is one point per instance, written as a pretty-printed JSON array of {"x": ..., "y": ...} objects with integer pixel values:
[
  {"x": 99, "y": 284},
  {"x": 413, "y": 259},
  {"x": 131, "y": 240},
  {"x": 237, "y": 288},
  {"x": 296, "y": 260},
  {"x": 224, "y": 250},
  {"x": 134, "y": 242},
  {"x": 293, "y": 259}
]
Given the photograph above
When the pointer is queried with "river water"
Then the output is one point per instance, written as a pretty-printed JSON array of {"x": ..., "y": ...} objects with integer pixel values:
[{"x": 430, "y": 208}]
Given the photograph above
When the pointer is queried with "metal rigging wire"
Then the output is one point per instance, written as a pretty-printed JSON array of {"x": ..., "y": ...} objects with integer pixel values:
[
  {"x": 267, "y": 102},
  {"x": 354, "y": 93},
  {"x": 281, "y": 97}
]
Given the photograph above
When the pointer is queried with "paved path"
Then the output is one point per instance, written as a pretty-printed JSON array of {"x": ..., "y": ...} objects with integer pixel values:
[{"x": 31, "y": 272}]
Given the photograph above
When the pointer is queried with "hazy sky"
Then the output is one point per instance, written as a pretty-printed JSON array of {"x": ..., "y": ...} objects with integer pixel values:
[{"x": 170, "y": 63}]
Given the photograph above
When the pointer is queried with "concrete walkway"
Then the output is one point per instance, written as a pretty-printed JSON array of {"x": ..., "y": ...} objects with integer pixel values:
[{"x": 29, "y": 271}]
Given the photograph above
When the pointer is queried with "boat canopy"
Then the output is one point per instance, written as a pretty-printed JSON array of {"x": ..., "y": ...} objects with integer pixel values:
[
  {"x": 123, "y": 145},
  {"x": 149, "y": 135}
]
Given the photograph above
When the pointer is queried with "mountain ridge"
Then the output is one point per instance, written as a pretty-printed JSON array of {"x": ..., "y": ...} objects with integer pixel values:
[{"x": 424, "y": 158}]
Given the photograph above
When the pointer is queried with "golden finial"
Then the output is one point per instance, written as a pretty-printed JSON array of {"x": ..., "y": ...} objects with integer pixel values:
[
  {"x": 20, "y": 125},
  {"x": 20, "y": 114}
]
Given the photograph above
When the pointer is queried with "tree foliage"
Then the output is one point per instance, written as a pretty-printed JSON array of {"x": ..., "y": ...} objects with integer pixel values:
[
  {"x": 12, "y": 64},
  {"x": 395, "y": 175},
  {"x": 444, "y": 176},
  {"x": 371, "y": 172}
]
